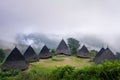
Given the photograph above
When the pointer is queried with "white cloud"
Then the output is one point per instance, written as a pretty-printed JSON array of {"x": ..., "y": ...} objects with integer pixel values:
[{"x": 62, "y": 17}]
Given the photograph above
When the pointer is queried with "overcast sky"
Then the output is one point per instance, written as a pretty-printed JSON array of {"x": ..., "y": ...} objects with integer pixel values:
[{"x": 99, "y": 18}]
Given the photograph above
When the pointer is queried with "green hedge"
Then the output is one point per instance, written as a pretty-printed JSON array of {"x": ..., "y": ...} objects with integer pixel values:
[{"x": 105, "y": 71}]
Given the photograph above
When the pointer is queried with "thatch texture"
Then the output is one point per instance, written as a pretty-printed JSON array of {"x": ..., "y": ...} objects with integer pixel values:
[
  {"x": 45, "y": 53},
  {"x": 83, "y": 52},
  {"x": 96, "y": 58},
  {"x": 63, "y": 48},
  {"x": 107, "y": 55},
  {"x": 15, "y": 60},
  {"x": 30, "y": 55}
]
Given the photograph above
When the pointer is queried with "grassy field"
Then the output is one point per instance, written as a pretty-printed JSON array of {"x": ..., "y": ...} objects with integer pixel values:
[
  {"x": 44, "y": 67},
  {"x": 47, "y": 65},
  {"x": 55, "y": 69}
]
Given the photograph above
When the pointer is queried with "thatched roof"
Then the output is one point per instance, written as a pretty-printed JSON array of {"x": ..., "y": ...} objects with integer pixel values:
[
  {"x": 45, "y": 53},
  {"x": 30, "y": 55},
  {"x": 83, "y": 52},
  {"x": 98, "y": 54},
  {"x": 15, "y": 60},
  {"x": 63, "y": 48},
  {"x": 107, "y": 55}
]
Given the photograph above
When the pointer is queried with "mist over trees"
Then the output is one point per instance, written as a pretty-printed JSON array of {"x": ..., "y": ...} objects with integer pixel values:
[
  {"x": 74, "y": 45},
  {"x": 93, "y": 41},
  {"x": 37, "y": 40}
]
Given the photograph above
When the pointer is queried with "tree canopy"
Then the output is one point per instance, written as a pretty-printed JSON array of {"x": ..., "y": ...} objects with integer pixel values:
[{"x": 73, "y": 45}]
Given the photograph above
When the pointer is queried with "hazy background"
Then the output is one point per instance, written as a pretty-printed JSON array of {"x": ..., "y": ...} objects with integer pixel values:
[{"x": 95, "y": 23}]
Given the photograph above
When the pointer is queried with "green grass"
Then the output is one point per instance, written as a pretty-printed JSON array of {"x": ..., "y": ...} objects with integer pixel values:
[{"x": 47, "y": 65}]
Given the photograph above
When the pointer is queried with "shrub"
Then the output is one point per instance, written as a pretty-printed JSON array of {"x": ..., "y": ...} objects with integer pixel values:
[
  {"x": 105, "y": 71},
  {"x": 9, "y": 73},
  {"x": 32, "y": 76},
  {"x": 62, "y": 73}
]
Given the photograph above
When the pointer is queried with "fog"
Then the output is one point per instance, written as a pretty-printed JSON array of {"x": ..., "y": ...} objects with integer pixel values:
[{"x": 94, "y": 22}]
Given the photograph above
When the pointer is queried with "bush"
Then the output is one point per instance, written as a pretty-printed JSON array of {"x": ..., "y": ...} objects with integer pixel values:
[
  {"x": 62, "y": 73},
  {"x": 92, "y": 54},
  {"x": 34, "y": 75},
  {"x": 9, "y": 73},
  {"x": 104, "y": 71}
]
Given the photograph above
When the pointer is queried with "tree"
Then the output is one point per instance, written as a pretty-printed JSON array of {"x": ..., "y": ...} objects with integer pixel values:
[
  {"x": 2, "y": 55},
  {"x": 52, "y": 50},
  {"x": 92, "y": 54},
  {"x": 73, "y": 44}
]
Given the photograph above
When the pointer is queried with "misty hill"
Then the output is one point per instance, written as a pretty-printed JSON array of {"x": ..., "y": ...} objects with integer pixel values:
[
  {"x": 37, "y": 41},
  {"x": 52, "y": 41}
]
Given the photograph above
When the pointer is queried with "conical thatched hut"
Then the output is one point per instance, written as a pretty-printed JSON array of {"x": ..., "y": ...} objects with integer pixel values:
[
  {"x": 15, "y": 60},
  {"x": 96, "y": 58},
  {"x": 63, "y": 48},
  {"x": 107, "y": 55},
  {"x": 83, "y": 52},
  {"x": 45, "y": 53},
  {"x": 30, "y": 55}
]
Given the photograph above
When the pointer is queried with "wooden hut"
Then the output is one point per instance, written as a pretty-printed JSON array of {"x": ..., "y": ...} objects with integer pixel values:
[
  {"x": 45, "y": 53},
  {"x": 15, "y": 60},
  {"x": 30, "y": 55},
  {"x": 96, "y": 58},
  {"x": 83, "y": 52},
  {"x": 107, "y": 55},
  {"x": 63, "y": 48}
]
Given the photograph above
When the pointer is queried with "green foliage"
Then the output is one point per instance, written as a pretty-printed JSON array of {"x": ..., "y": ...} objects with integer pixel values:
[
  {"x": 74, "y": 51},
  {"x": 29, "y": 76},
  {"x": 9, "y": 73},
  {"x": 73, "y": 44},
  {"x": 105, "y": 71},
  {"x": 62, "y": 73},
  {"x": 33, "y": 74},
  {"x": 2, "y": 55},
  {"x": 92, "y": 54},
  {"x": 52, "y": 51}
]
